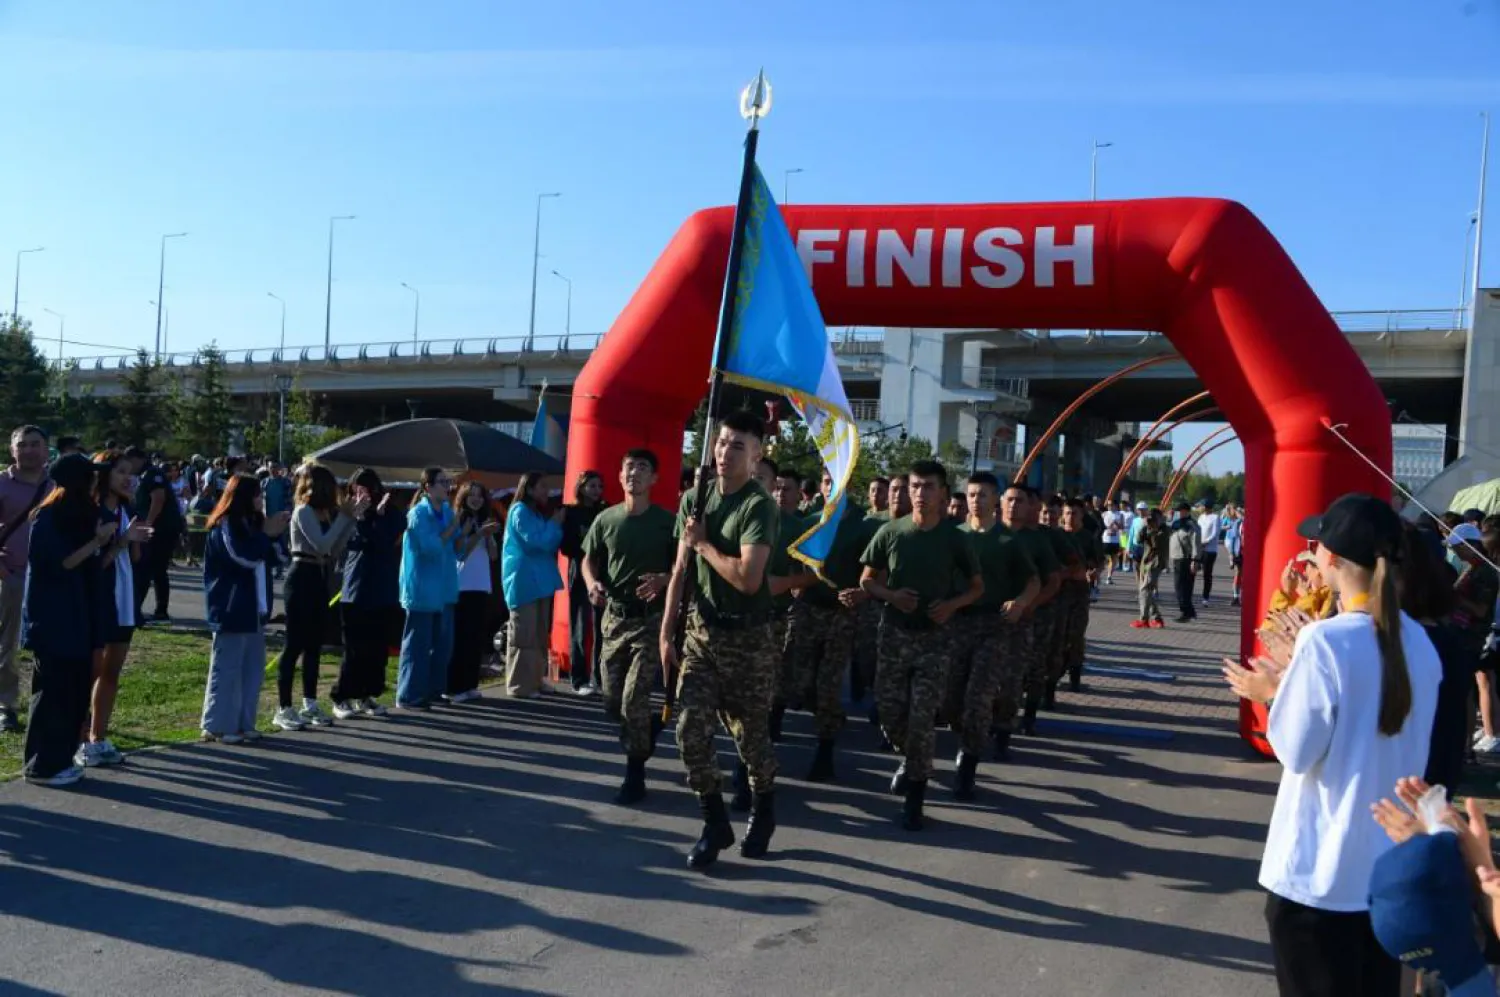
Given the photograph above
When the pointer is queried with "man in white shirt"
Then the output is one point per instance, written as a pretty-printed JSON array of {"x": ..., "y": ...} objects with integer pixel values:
[
  {"x": 1211, "y": 528},
  {"x": 1112, "y": 536}
]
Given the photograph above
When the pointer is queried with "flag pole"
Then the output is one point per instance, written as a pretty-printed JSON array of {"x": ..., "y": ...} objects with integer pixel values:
[{"x": 755, "y": 101}]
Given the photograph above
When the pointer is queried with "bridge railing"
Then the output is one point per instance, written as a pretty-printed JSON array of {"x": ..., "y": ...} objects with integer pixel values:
[{"x": 860, "y": 346}]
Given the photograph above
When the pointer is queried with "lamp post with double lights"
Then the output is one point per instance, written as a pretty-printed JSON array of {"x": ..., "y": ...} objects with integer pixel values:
[
  {"x": 62, "y": 320},
  {"x": 328, "y": 296},
  {"x": 15, "y": 303},
  {"x": 161, "y": 286},
  {"x": 786, "y": 183},
  {"x": 280, "y": 349},
  {"x": 416, "y": 313},
  {"x": 568, "y": 314}
]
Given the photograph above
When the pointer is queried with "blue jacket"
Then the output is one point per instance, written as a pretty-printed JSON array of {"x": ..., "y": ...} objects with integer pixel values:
[
  {"x": 234, "y": 578},
  {"x": 51, "y": 624},
  {"x": 372, "y": 561},
  {"x": 528, "y": 558},
  {"x": 429, "y": 567}
]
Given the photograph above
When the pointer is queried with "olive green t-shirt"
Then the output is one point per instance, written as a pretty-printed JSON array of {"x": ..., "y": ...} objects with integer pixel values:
[
  {"x": 929, "y": 562},
  {"x": 1090, "y": 547},
  {"x": 1063, "y": 546},
  {"x": 1039, "y": 548},
  {"x": 841, "y": 567},
  {"x": 630, "y": 547},
  {"x": 748, "y": 518},
  {"x": 789, "y": 529},
  {"x": 1004, "y": 563}
]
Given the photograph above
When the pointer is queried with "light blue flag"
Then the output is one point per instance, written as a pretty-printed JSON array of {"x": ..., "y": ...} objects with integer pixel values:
[
  {"x": 546, "y": 434},
  {"x": 778, "y": 343}
]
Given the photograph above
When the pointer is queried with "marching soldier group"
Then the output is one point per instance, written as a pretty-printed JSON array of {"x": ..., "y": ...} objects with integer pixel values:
[{"x": 970, "y": 623}]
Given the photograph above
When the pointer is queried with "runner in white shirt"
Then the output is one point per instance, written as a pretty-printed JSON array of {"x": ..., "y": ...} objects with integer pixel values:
[
  {"x": 1111, "y": 539},
  {"x": 1210, "y": 528},
  {"x": 1352, "y": 704}
]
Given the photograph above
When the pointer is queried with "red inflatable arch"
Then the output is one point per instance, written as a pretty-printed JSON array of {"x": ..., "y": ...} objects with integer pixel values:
[{"x": 1205, "y": 272}]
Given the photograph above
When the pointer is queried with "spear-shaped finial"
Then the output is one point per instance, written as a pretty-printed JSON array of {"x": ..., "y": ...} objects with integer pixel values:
[{"x": 755, "y": 100}]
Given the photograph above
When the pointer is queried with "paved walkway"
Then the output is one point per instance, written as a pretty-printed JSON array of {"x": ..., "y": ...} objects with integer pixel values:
[{"x": 475, "y": 851}]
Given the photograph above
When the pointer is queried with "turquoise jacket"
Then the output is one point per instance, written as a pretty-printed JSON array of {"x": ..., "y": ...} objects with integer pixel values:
[
  {"x": 528, "y": 558},
  {"x": 429, "y": 567}
]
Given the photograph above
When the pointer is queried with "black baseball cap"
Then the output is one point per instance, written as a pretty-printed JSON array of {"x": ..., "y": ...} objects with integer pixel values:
[{"x": 1357, "y": 527}]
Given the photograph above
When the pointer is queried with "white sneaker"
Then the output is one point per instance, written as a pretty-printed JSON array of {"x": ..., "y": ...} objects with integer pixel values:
[
  {"x": 310, "y": 713},
  {"x": 372, "y": 707},
  {"x": 93, "y": 754},
  {"x": 346, "y": 709},
  {"x": 1478, "y": 736},
  {"x": 587, "y": 690},
  {"x": 287, "y": 718},
  {"x": 66, "y": 777},
  {"x": 1487, "y": 745}
]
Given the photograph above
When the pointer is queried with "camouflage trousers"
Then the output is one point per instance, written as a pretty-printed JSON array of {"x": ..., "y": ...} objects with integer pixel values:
[
  {"x": 982, "y": 666},
  {"x": 1037, "y": 649},
  {"x": 1072, "y": 630},
  {"x": 819, "y": 642},
  {"x": 729, "y": 675},
  {"x": 910, "y": 681},
  {"x": 629, "y": 657},
  {"x": 783, "y": 630},
  {"x": 867, "y": 640},
  {"x": 1018, "y": 659}
]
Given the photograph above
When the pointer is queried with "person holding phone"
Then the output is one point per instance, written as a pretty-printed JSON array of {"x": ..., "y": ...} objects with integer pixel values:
[
  {"x": 471, "y": 617},
  {"x": 113, "y": 491},
  {"x": 60, "y": 623},
  {"x": 529, "y": 576},
  {"x": 429, "y": 589},
  {"x": 371, "y": 598},
  {"x": 241, "y": 543}
]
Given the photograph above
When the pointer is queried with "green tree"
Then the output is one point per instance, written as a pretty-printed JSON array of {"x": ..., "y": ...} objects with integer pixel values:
[
  {"x": 142, "y": 408},
  {"x": 24, "y": 378},
  {"x": 305, "y": 433},
  {"x": 85, "y": 415},
  {"x": 206, "y": 412}
]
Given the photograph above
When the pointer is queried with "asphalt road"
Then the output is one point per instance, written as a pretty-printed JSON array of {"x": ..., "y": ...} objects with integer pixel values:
[{"x": 475, "y": 850}]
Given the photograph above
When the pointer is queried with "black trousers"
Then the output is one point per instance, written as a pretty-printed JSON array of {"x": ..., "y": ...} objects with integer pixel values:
[
  {"x": 1209, "y": 557},
  {"x": 1320, "y": 953},
  {"x": 151, "y": 570},
  {"x": 367, "y": 646},
  {"x": 585, "y": 630},
  {"x": 1182, "y": 576},
  {"x": 306, "y": 594},
  {"x": 473, "y": 632},
  {"x": 60, "y": 690}
]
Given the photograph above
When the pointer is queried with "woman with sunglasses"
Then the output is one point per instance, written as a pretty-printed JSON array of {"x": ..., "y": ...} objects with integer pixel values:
[{"x": 1352, "y": 700}]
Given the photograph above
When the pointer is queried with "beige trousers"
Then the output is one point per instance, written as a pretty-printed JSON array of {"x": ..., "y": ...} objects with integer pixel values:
[{"x": 528, "y": 635}]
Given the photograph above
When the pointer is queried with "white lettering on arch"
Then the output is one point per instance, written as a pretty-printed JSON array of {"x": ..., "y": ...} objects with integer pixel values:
[
  {"x": 854, "y": 265},
  {"x": 1080, "y": 254},
  {"x": 915, "y": 262},
  {"x": 808, "y": 241},
  {"x": 991, "y": 245},
  {"x": 953, "y": 257}
]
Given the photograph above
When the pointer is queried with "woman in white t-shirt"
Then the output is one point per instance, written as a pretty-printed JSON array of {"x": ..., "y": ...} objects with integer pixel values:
[
  {"x": 472, "y": 628},
  {"x": 1352, "y": 703}
]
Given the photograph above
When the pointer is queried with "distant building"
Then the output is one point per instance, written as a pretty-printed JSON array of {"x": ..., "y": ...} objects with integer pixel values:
[{"x": 1417, "y": 453}]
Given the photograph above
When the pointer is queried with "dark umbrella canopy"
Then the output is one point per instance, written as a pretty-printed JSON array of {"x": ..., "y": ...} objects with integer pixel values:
[{"x": 399, "y": 451}]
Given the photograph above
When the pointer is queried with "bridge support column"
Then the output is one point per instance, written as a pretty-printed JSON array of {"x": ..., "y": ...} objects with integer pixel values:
[{"x": 1479, "y": 419}]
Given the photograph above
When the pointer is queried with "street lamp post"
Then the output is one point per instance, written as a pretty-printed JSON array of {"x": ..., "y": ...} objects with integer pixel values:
[
  {"x": 62, "y": 320},
  {"x": 164, "y": 321},
  {"x": 161, "y": 285},
  {"x": 1094, "y": 169},
  {"x": 328, "y": 298},
  {"x": 416, "y": 313},
  {"x": 786, "y": 184},
  {"x": 282, "y": 347},
  {"x": 283, "y": 385},
  {"x": 536, "y": 256},
  {"x": 1463, "y": 284},
  {"x": 1484, "y": 164},
  {"x": 568, "y": 315},
  {"x": 15, "y": 303}
]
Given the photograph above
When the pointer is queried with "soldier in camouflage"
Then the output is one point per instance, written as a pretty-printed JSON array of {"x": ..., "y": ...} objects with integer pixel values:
[
  {"x": 1020, "y": 511},
  {"x": 924, "y": 571},
  {"x": 1072, "y": 596},
  {"x": 1078, "y": 526},
  {"x": 728, "y": 664},
  {"x": 627, "y": 563},
  {"x": 988, "y": 660}
]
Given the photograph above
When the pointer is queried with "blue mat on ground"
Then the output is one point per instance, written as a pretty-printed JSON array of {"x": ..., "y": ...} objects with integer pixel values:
[{"x": 1143, "y": 674}]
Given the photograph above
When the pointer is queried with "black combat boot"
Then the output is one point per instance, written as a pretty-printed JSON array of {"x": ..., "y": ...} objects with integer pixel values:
[
  {"x": 633, "y": 789},
  {"x": 1028, "y": 714},
  {"x": 899, "y": 781},
  {"x": 1002, "y": 745},
  {"x": 741, "y": 800},
  {"x": 963, "y": 780},
  {"x": 757, "y": 840},
  {"x": 778, "y": 714},
  {"x": 717, "y": 834},
  {"x": 1049, "y": 698},
  {"x": 911, "y": 810},
  {"x": 1075, "y": 677},
  {"x": 822, "y": 763}
]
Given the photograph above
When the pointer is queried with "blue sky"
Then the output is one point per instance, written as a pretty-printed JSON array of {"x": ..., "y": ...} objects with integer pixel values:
[{"x": 1351, "y": 128}]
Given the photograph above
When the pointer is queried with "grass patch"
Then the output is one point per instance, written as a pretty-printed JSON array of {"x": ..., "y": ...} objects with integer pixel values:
[{"x": 161, "y": 694}]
